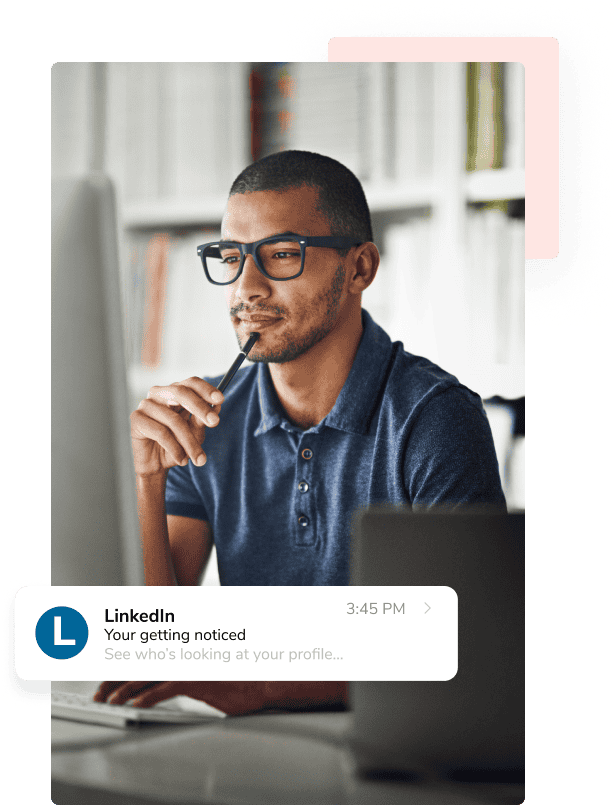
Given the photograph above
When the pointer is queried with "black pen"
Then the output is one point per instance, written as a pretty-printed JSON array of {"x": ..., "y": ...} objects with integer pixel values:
[{"x": 224, "y": 382}]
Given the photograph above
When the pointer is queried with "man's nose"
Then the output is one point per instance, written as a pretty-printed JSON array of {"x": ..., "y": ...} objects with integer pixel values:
[{"x": 252, "y": 283}]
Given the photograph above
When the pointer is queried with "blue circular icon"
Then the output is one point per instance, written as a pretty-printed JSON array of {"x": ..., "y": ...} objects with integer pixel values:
[{"x": 61, "y": 633}]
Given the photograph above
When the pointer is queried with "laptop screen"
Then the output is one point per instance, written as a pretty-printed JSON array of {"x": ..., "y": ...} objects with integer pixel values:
[{"x": 472, "y": 726}]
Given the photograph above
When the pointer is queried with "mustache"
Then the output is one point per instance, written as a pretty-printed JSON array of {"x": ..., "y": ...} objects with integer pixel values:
[{"x": 242, "y": 308}]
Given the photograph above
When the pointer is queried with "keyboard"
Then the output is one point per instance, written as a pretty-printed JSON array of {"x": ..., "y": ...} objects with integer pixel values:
[{"x": 81, "y": 707}]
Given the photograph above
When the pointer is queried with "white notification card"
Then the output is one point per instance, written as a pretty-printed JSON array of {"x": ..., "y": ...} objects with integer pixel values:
[{"x": 237, "y": 634}]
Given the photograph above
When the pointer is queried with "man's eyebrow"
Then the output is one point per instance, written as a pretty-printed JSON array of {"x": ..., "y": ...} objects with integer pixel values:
[
  {"x": 278, "y": 235},
  {"x": 283, "y": 235}
]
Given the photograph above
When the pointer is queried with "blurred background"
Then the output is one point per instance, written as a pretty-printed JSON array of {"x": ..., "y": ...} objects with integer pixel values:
[{"x": 143, "y": 156}]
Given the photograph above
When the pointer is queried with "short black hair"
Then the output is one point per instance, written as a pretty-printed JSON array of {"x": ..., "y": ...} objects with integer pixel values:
[{"x": 341, "y": 197}]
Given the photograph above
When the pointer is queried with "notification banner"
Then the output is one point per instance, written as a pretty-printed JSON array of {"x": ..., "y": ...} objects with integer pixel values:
[{"x": 236, "y": 633}]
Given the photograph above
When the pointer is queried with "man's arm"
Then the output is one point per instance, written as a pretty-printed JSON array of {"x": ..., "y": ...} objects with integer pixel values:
[
  {"x": 167, "y": 430},
  {"x": 191, "y": 543},
  {"x": 450, "y": 456},
  {"x": 233, "y": 698},
  {"x": 175, "y": 549},
  {"x": 305, "y": 696},
  {"x": 155, "y": 538}
]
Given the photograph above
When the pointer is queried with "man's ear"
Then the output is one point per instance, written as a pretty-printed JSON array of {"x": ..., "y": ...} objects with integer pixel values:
[{"x": 365, "y": 260}]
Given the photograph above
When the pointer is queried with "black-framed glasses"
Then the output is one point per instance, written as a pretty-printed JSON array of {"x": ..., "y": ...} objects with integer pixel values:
[{"x": 279, "y": 258}]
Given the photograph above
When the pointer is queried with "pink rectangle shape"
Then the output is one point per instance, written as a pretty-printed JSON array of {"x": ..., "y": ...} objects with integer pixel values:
[{"x": 540, "y": 57}]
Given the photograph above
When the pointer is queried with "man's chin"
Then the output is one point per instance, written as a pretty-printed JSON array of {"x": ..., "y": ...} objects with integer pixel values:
[
  {"x": 278, "y": 348},
  {"x": 281, "y": 353},
  {"x": 281, "y": 356}
]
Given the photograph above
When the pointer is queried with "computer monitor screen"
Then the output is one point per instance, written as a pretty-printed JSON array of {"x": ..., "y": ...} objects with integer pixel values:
[{"x": 94, "y": 533}]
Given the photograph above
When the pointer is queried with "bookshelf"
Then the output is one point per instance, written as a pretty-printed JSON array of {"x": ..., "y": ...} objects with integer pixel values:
[{"x": 452, "y": 275}]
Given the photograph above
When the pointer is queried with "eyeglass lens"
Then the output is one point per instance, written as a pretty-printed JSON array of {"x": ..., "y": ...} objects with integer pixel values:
[{"x": 280, "y": 259}]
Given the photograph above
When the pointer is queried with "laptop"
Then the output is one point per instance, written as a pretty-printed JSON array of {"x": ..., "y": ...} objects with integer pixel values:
[{"x": 470, "y": 728}]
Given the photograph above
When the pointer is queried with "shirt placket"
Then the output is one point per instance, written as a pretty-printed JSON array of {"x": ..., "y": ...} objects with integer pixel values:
[{"x": 304, "y": 494}]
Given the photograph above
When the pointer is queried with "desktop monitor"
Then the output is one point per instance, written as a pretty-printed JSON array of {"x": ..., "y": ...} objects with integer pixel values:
[{"x": 94, "y": 527}]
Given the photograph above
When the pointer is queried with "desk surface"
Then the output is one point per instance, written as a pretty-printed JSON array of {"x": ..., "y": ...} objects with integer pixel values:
[{"x": 277, "y": 759}]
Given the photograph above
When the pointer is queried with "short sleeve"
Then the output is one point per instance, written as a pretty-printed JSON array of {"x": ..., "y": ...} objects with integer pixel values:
[
  {"x": 450, "y": 456},
  {"x": 182, "y": 495}
]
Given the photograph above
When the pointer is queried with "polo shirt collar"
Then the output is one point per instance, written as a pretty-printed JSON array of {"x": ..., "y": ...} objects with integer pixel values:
[{"x": 359, "y": 397}]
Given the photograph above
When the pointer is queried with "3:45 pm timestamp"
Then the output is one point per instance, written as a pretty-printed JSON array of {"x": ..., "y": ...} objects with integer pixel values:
[{"x": 375, "y": 609}]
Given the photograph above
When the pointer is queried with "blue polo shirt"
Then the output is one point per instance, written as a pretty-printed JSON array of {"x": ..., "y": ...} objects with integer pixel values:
[{"x": 280, "y": 499}]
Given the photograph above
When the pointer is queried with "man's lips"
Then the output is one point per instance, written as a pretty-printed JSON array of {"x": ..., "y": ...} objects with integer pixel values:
[
  {"x": 258, "y": 317},
  {"x": 258, "y": 320}
]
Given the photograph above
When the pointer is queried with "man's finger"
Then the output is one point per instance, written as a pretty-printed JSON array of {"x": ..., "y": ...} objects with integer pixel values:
[
  {"x": 193, "y": 394},
  {"x": 162, "y": 691},
  {"x": 169, "y": 429},
  {"x": 203, "y": 389},
  {"x": 128, "y": 691},
  {"x": 104, "y": 689}
]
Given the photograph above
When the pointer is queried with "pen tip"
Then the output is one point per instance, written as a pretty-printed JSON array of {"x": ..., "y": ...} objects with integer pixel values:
[{"x": 253, "y": 337}]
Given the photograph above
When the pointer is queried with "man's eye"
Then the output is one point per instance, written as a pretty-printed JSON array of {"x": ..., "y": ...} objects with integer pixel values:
[
  {"x": 229, "y": 258},
  {"x": 285, "y": 255}
]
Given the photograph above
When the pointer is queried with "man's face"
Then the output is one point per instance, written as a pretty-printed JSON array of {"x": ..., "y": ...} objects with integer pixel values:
[{"x": 291, "y": 316}]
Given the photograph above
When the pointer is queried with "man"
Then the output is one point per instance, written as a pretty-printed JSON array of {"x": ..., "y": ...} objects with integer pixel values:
[{"x": 331, "y": 417}]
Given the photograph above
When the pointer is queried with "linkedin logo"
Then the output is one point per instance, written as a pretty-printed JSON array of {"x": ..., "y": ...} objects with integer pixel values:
[{"x": 61, "y": 633}]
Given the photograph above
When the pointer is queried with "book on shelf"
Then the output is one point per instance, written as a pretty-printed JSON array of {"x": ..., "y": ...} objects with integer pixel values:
[
  {"x": 156, "y": 274},
  {"x": 514, "y": 115},
  {"x": 495, "y": 115},
  {"x": 485, "y": 134},
  {"x": 413, "y": 120},
  {"x": 133, "y": 268},
  {"x": 495, "y": 279}
]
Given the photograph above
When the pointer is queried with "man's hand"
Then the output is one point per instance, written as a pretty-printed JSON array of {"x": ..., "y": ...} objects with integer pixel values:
[
  {"x": 232, "y": 698},
  {"x": 168, "y": 427}
]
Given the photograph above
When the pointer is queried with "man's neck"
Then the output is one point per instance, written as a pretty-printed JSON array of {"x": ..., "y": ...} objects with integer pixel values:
[{"x": 308, "y": 387}]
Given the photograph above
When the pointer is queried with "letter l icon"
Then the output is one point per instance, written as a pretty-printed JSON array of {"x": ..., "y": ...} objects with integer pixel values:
[{"x": 57, "y": 633}]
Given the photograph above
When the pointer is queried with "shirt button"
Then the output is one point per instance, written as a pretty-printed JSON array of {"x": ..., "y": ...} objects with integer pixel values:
[
  {"x": 303, "y": 486},
  {"x": 303, "y": 521},
  {"x": 307, "y": 454}
]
